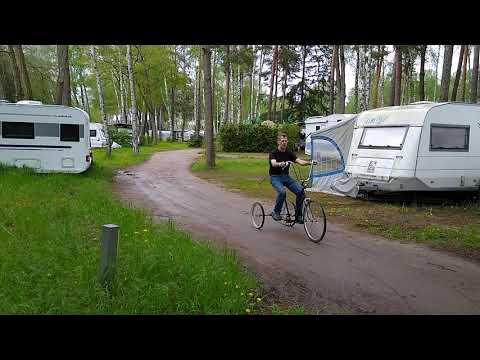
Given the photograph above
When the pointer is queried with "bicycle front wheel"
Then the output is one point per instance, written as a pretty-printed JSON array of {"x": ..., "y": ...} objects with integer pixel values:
[
  {"x": 258, "y": 215},
  {"x": 315, "y": 221}
]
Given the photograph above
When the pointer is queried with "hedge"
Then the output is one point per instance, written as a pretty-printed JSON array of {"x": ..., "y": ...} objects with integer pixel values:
[{"x": 256, "y": 137}]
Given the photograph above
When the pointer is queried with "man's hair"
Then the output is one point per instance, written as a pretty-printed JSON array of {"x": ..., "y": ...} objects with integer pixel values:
[{"x": 280, "y": 135}]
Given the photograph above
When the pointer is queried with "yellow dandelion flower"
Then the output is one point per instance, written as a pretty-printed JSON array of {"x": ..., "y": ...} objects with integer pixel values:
[
  {"x": 250, "y": 294},
  {"x": 247, "y": 310},
  {"x": 258, "y": 299}
]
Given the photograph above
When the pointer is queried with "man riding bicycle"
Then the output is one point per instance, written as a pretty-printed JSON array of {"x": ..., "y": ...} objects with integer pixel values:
[{"x": 279, "y": 178}]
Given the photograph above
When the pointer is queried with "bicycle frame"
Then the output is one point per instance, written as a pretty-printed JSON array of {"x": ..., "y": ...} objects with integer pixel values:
[{"x": 290, "y": 219}]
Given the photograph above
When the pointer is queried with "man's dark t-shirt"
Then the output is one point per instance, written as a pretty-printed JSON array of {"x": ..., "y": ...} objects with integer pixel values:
[{"x": 280, "y": 156}]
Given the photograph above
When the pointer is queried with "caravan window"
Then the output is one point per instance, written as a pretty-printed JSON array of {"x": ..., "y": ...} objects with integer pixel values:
[
  {"x": 18, "y": 130},
  {"x": 390, "y": 137},
  {"x": 449, "y": 138},
  {"x": 93, "y": 133},
  {"x": 69, "y": 132}
]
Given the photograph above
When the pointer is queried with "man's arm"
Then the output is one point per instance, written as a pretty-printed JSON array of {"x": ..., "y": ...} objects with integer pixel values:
[
  {"x": 302, "y": 162},
  {"x": 276, "y": 163}
]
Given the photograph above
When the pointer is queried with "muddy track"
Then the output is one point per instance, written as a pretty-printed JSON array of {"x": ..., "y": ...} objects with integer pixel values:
[{"x": 347, "y": 272}]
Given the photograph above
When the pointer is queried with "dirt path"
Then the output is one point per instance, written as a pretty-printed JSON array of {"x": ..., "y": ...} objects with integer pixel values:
[{"x": 347, "y": 271}]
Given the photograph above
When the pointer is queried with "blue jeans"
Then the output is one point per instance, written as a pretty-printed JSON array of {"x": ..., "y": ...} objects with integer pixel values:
[{"x": 279, "y": 182}]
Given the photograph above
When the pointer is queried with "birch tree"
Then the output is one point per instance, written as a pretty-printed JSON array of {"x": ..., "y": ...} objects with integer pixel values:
[
  {"x": 135, "y": 135},
  {"x": 101, "y": 99},
  {"x": 272, "y": 82}
]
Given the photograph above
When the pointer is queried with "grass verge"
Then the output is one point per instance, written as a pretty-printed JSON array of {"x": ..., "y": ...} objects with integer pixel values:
[
  {"x": 450, "y": 227},
  {"x": 49, "y": 251}
]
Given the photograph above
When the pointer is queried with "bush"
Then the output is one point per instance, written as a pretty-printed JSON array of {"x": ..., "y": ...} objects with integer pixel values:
[
  {"x": 121, "y": 137},
  {"x": 195, "y": 141},
  {"x": 256, "y": 137}
]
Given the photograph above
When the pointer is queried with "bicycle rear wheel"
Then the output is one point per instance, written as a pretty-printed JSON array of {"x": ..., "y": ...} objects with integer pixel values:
[
  {"x": 315, "y": 221},
  {"x": 258, "y": 215}
]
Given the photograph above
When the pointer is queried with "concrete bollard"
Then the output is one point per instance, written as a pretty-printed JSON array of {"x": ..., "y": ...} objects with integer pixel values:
[{"x": 108, "y": 254}]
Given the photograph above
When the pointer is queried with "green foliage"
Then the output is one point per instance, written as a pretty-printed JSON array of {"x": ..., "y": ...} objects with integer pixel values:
[
  {"x": 256, "y": 137},
  {"x": 120, "y": 137},
  {"x": 195, "y": 141}
]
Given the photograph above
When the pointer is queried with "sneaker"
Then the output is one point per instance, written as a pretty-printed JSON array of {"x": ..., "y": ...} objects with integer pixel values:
[{"x": 276, "y": 217}]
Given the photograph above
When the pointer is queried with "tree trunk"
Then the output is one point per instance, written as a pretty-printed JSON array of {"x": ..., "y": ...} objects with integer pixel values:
[
  {"x": 135, "y": 134},
  {"x": 22, "y": 68},
  {"x": 464, "y": 74},
  {"x": 436, "y": 75},
  {"x": 421, "y": 84},
  {"x": 103, "y": 115},
  {"x": 227, "y": 84},
  {"x": 63, "y": 96},
  {"x": 398, "y": 76},
  {"x": 198, "y": 120},
  {"x": 240, "y": 95},
  {"x": 284, "y": 90},
  {"x": 123, "y": 97},
  {"x": 376, "y": 82},
  {"x": 340, "y": 69},
  {"x": 392, "y": 86},
  {"x": 447, "y": 67},
  {"x": 342, "y": 80},
  {"x": 172, "y": 96},
  {"x": 153, "y": 123},
  {"x": 214, "y": 60},
  {"x": 210, "y": 146},
  {"x": 259, "y": 89},
  {"x": 86, "y": 99},
  {"x": 356, "y": 80},
  {"x": 458, "y": 73},
  {"x": 302, "y": 88},
  {"x": 474, "y": 81},
  {"x": 117, "y": 94},
  {"x": 272, "y": 82},
  {"x": 382, "y": 88},
  {"x": 16, "y": 74},
  {"x": 275, "y": 94},
  {"x": 252, "y": 90}
]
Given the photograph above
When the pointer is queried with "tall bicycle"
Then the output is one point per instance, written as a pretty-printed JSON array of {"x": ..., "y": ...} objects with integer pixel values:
[{"x": 314, "y": 219}]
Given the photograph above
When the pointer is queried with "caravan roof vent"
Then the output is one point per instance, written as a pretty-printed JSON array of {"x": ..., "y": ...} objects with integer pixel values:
[{"x": 29, "y": 102}]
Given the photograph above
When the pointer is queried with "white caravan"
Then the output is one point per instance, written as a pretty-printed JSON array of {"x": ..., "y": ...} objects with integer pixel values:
[
  {"x": 47, "y": 138},
  {"x": 418, "y": 147},
  {"x": 423, "y": 146},
  {"x": 319, "y": 123},
  {"x": 97, "y": 135},
  {"x": 98, "y": 139}
]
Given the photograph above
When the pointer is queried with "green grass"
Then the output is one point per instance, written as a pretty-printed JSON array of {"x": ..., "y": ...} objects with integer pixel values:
[
  {"x": 50, "y": 228},
  {"x": 455, "y": 228}
]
